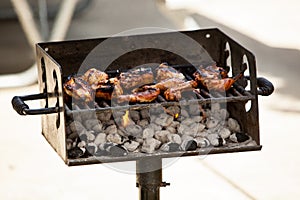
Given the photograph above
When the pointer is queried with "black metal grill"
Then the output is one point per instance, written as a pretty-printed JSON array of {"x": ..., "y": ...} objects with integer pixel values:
[{"x": 57, "y": 60}]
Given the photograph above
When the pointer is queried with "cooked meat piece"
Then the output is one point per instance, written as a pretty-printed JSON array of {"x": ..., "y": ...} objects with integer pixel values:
[
  {"x": 220, "y": 84},
  {"x": 174, "y": 93},
  {"x": 215, "y": 78},
  {"x": 164, "y": 72},
  {"x": 168, "y": 83},
  {"x": 217, "y": 84},
  {"x": 145, "y": 94},
  {"x": 111, "y": 88},
  {"x": 79, "y": 89},
  {"x": 95, "y": 77},
  {"x": 136, "y": 77},
  {"x": 210, "y": 72}
]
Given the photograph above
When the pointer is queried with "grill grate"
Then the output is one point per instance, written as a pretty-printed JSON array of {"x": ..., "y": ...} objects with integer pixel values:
[{"x": 200, "y": 95}]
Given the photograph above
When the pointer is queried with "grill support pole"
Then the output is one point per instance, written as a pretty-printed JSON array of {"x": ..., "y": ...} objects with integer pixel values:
[{"x": 149, "y": 178}]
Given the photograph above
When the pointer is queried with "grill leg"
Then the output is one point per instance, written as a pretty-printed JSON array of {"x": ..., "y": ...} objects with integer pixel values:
[{"x": 149, "y": 178}]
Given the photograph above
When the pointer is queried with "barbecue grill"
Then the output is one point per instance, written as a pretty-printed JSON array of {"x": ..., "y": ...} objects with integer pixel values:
[{"x": 58, "y": 60}]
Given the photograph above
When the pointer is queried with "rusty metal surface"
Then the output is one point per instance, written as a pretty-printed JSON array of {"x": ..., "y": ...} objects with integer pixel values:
[{"x": 56, "y": 60}]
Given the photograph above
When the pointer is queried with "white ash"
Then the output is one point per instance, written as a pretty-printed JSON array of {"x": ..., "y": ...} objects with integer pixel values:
[
  {"x": 194, "y": 109},
  {"x": 182, "y": 129},
  {"x": 187, "y": 132},
  {"x": 90, "y": 123},
  {"x": 139, "y": 140},
  {"x": 197, "y": 119},
  {"x": 134, "y": 115},
  {"x": 76, "y": 126},
  {"x": 216, "y": 140},
  {"x": 114, "y": 138},
  {"x": 224, "y": 133},
  {"x": 175, "y": 124},
  {"x": 174, "y": 138},
  {"x": 203, "y": 133},
  {"x": 121, "y": 131},
  {"x": 173, "y": 110},
  {"x": 134, "y": 130},
  {"x": 131, "y": 145},
  {"x": 184, "y": 113},
  {"x": 155, "y": 127},
  {"x": 143, "y": 123},
  {"x": 145, "y": 114},
  {"x": 81, "y": 144},
  {"x": 118, "y": 113},
  {"x": 111, "y": 129},
  {"x": 104, "y": 116},
  {"x": 162, "y": 135},
  {"x": 108, "y": 123},
  {"x": 188, "y": 122},
  {"x": 163, "y": 120},
  {"x": 197, "y": 127},
  {"x": 186, "y": 137},
  {"x": 90, "y": 135},
  {"x": 211, "y": 122},
  {"x": 150, "y": 145},
  {"x": 148, "y": 133},
  {"x": 233, "y": 125},
  {"x": 100, "y": 139},
  {"x": 171, "y": 129}
]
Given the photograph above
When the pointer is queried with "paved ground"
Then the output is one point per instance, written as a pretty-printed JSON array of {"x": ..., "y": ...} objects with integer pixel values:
[{"x": 29, "y": 168}]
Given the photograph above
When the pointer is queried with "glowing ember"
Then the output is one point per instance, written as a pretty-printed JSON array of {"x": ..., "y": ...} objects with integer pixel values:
[
  {"x": 176, "y": 115},
  {"x": 125, "y": 119}
]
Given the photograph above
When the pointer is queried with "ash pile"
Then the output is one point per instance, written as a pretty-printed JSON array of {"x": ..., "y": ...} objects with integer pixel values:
[{"x": 153, "y": 130}]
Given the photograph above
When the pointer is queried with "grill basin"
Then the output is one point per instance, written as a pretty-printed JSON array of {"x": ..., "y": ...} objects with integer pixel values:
[{"x": 57, "y": 60}]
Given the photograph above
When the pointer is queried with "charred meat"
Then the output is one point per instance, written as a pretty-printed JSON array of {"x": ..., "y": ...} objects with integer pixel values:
[
  {"x": 215, "y": 78},
  {"x": 111, "y": 88},
  {"x": 144, "y": 94},
  {"x": 79, "y": 89},
  {"x": 95, "y": 78},
  {"x": 136, "y": 77},
  {"x": 168, "y": 83},
  {"x": 164, "y": 72},
  {"x": 175, "y": 93}
]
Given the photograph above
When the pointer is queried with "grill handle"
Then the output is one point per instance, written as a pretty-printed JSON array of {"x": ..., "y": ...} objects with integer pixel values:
[
  {"x": 23, "y": 109},
  {"x": 264, "y": 86}
]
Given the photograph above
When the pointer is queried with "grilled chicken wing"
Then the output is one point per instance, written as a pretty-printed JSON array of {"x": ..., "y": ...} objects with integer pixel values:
[
  {"x": 164, "y": 72},
  {"x": 79, "y": 89},
  {"x": 95, "y": 78},
  {"x": 212, "y": 72},
  {"x": 215, "y": 78},
  {"x": 145, "y": 94},
  {"x": 174, "y": 93},
  {"x": 220, "y": 84},
  {"x": 136, "y": 77}
]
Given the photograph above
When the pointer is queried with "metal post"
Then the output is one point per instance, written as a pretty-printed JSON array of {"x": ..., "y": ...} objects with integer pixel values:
[{"x": 149, "y": 178}]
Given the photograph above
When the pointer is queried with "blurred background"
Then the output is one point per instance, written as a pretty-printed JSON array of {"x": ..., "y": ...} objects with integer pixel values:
[{"x": 30, "y": 169}]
